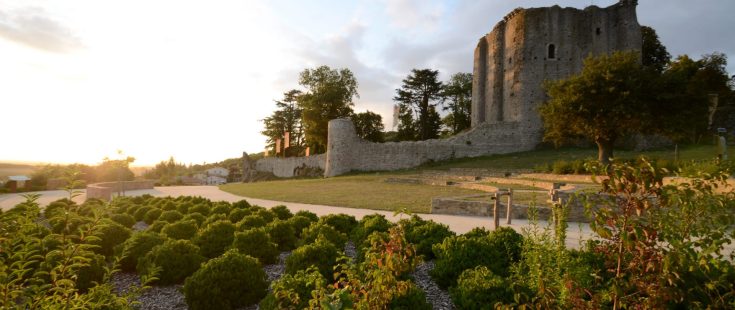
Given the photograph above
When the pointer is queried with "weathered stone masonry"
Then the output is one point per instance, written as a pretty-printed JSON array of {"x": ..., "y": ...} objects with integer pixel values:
[{"x": 526, "y": 48}]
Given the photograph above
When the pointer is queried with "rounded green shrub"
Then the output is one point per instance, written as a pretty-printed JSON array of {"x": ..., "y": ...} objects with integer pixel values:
[
  {"x": 123, "y": 219},
  {"x": 185, "y": 230},
  {"x": 256, "y": 243},
  {"x": 479, "y": 288},
  {"x": 221, "y": 208},
  {"x": 266, "y": 215},
  {"x": 174, "y": 259},
  {"x": 477, "y": 232},
  {"x": 228, "y": 282},
  {"x": 425, "y": 235},
  {"x": 282, "y": 212},
  {"x": 183, "y": 207},
  {"x": 299, "y": 223},
  {"x": 242, "y": 204},
  {"x": 168, "y": 206},
  {"x": 215, "y": 217},
  {"x": 170, "y": 216},
  {"x": 413, "y": 299},
  {"x": 141, "y": 212},
  {"x": 136, "y": 247},
  {"x": 369, "y": 224},
  {"x": 237, "y": 214},
  {"x": 110, "y": 234},
  {"x": 250, "y": 222},
  {"x": 316, "y": 229},
  {"x": 214, "y": 239},
  {"x": 282, "y": 234},
  {"x": 293, "y": 291},
  {"x": 157, "y": 226},
  {"x": 202, "y": 209},
  {"x": 321, "y": 254},
  {"x": 92, "y": 273},
  {"x": 152, "y": 215},
  {"x": 342, "y": 222},
  {"x": 198, "y": 217},
  {"x": 308, "y": 214}
]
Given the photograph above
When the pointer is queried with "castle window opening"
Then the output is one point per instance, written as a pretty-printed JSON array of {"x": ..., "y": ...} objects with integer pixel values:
[
  {"x": 551, "y": 52},
  {"x": 598, "y": 31}
]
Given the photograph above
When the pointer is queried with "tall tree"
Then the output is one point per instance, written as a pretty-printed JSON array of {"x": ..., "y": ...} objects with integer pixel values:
[
  {"x": 329, "y": 95},
  {"x": 421, "y": 92},
  {"x": 606, "y": 101},
  {"x": 457, "y": 99},
  {"x": 406, "y": 125},
  {"x": 369, "y": 126},
  {"x": 654, "y": 54},
  {"x": 287, "y": 118}
]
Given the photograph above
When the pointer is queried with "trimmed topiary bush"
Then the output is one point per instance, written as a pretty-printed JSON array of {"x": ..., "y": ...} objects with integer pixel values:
[
  {"x": 168, "y": 206},
  {"x": 202, "y": 209},
  {"x": 242, "y": 204},
  {"x": 413, "y": 299},
  {"x": 282, "y": 234},
  {"x": 216, "y": 217},
  {"x": 141, "y": 212},
  {"x": 307, "y": 214},
  {"x": 369, "y": 224},
  {"x": 110, "y": 234},
  {"x": 181, "y": 230},
  {"x": 321, "y": 254},
  {"x": 266, "y": 215},
  {"x": 282, "y": 212},
  {"x": 157, "y": 226},
  {"x": 250, "y": 222},
  {"x": 136, "y": 247},
  {"x": 237, "y": 214},
  {"x": 198, "y": 217},
  {"x": 170, "y": 216},
  {"x": 479, "y": 288},
  {"x": 183, "y": 207},
  {"x": 299, "y": 223},
  {"x": 425, "y": 235},
  {"x": 293, "y": 291},
  {"x": 123, "y": 219},
  {"x": 177, "y": 260},
  {"x": 256, "y": 243},
  {"x": 221, "y": 208},
  {"x": 92, "y": 273},
  {"x": 342, "y": 222},
  {"x": 231, "y": 281},
  {"x": 214, "y": 239},
  {"x": 316, "y": 229},
  {"x": 152, "y": 215}
]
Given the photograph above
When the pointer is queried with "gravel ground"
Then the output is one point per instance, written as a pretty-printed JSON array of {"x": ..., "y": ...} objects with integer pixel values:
[
  {"x": 154, "y": 298},
  {"x": 437, "y": 297},
  {"x": 350, "y": 250},
  {"x": 140, "y": 226},
  {"x": 275, "y": 271}
]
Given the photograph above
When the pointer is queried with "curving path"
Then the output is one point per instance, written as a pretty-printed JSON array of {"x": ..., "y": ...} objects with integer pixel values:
[{"x": 458, "y": 224}]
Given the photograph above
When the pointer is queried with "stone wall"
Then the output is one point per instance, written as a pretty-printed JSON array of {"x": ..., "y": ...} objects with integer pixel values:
[
  {"x": 288, "y": 167},
  {"x": 105, "y": 190}
]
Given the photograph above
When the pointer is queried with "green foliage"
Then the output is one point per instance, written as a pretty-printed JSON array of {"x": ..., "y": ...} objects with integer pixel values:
[
  {"x": 479, "y": 288},
  {"x": 457, "y": 98},
  {"x": 654, "y": 54},
  {"x": 171, "y": 262},
  {"x": 228, "y": 282},
  {"x": 283, "y": 234},
  {"x": 215, "y": 217},
  {"x": 424, "y": 234},
  {"x": 157, "y": 226},
  {"x": 181, "y": 230},
  {"x": 342, "y": 222},
  {"x": 293, "y": 291},
  {"x": 214, "y": 239},
  {"x": 369, "y": 224},
  {"x": 281, "y": 212},
  {"x": 250, "y": 222},
  {"x": 170, "y": 216},
  {"x": 221, "y": 208},
  {"x": 136, "y": 247},
  {"x": 321, "y": 254},
  {"x": 123, "y": 219},
  {"x": 238, "y": 214},
  {"x": 152, "y": 215},
  {"x": 368, "y": 126},
  {"x": 321, "y": 230},
  {"x": 299, "y": 223},
  {"x": 419, "y": 94},
  {"x": 413, "y": 299},
  {"x": 308, "y": 214},
  {"x": 266, "y": 215},
  {"x": 202, "y": 209},
  {"x": 139, "y": 213},
  {"x": 286, "y": 118},
  {"x": 197, "y": 217},
  {"x": 256, "y": 243},
  {"x": 109, "y": 235}
]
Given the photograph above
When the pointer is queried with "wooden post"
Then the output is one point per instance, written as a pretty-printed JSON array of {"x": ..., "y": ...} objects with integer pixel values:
[
  {"x": 496, "y": 220},
  {"x": 509, "y": 209}
]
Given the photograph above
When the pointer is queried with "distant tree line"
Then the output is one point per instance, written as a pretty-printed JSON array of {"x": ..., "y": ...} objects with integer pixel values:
[{"x": 108, "y": 171}]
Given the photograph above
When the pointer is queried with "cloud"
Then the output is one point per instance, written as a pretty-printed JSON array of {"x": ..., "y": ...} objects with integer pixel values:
[
  {"x": 31, "y": 27},
  {"x": 413, "y": 14}
]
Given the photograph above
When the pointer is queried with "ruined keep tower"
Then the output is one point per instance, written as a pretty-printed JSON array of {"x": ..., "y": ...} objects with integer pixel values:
[{"x": 532, "y": 45}]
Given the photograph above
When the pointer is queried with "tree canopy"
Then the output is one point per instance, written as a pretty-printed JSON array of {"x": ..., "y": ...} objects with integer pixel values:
[
  {"x": 286, "y": 118},
  {"x": 369, "y": 126},
  {"x": 457, "y": 99},
  {"x": 654, "y": 54},
  {"x": 419, "y": 94}
]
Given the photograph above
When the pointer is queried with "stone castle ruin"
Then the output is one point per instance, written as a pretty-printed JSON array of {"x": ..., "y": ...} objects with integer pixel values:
[{"x": 511, "y": 63}]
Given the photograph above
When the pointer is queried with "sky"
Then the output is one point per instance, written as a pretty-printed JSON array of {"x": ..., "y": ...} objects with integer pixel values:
[{"x": 81, "y": 79}]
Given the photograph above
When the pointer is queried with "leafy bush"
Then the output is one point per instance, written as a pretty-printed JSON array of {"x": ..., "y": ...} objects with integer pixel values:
[
  {"x": 110, "y": 234},
  {"x": 185, "y": 230},
  {"x": 293, "y": 291},
  {"x": 141, "y": 212},
  {"x": 214, "y": 239},
  {"x": 168, "y": 206},
  {"x": 216, "y": 217},
  {"x": 177, "y": 259},
  {"x": 283, "y": 234},
  {"x": 308, "y": 214},
  {"x": 231, "y": 281},
  {"x": 266, "y": 215},
  {"x": 91, "y": 273},
  {"x": 221, "y": 208},
  {"x": 136, "y": 247},
  {"x": 250, "y": 222},
  {"x": 282, "y": 212},
  {"x": 425, "y": 235},
  {"x": 316, "y": 229},
  {"x": 413, "y": 299},
  {"x": 157, "y": 226},
  {"x": 237, "y": 214},
  {"x": 321, "y": 254},
  {"x": 183, "y": 207},
  {"x": 199, "y": 208},
  {"x": 256, "y": 243},
  {"x": 152, "y": 215},
  {"x": 242, "y": 204},
  {"x": 123, "y": 219},
  {"x": 342, "y": 222},
  {"x": 170, "y": 216},
  {"x": 299, "y": 223},
  {"x": 369, "y": 224},
  {"x": 198, "y": 217},
  {"x": 479, "y": 288}
]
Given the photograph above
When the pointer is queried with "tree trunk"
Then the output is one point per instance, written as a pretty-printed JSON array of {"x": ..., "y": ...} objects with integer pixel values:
[{"x": 604, "y": 149}]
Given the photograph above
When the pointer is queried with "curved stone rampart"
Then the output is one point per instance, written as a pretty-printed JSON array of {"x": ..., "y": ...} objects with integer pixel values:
[{"x": 105, "y": 190}]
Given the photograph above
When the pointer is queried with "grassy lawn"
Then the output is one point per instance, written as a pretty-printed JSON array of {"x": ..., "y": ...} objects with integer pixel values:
[
  {"x": 368, "y": 191},
  {"x": 531, "y": 159}
]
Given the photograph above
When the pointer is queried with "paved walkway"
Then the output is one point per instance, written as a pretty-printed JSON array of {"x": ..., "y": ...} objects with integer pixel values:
[{"x": 458, "y": 224}]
